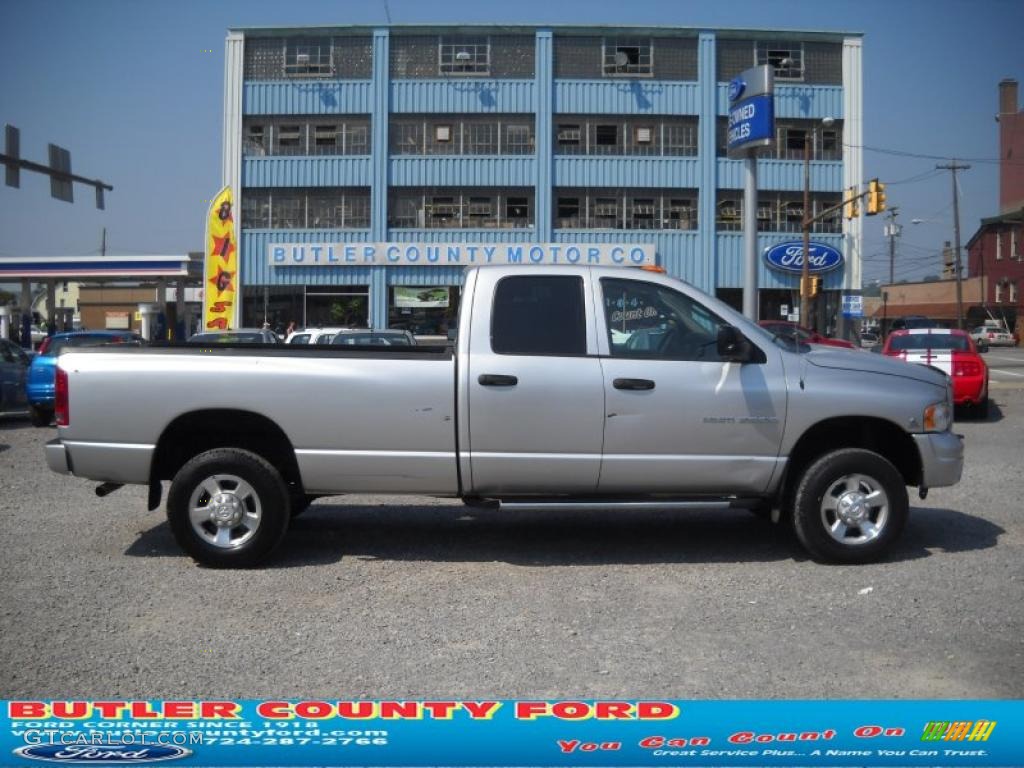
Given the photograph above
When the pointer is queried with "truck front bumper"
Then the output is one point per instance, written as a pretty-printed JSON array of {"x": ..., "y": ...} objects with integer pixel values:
[
  {"x": 942, "y": 458},
  {"x": 57, "y": 457}
]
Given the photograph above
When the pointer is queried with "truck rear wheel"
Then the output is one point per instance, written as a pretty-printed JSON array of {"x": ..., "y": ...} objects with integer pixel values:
[
  {"x": 850, "y": 506},
  {"x": 228, "y": 508}
]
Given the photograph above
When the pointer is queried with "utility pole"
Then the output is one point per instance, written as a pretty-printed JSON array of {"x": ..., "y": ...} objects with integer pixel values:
[
  {"x": 892, "y": 231},
  {"x": 953, "y": 167}
]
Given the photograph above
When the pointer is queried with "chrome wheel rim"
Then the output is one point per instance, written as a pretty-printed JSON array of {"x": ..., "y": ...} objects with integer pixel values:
[
  {"x": 855, "y": 509},
  {"x": 225, "y": 511}
]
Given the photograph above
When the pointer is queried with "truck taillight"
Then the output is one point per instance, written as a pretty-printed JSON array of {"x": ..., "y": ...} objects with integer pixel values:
[
  {"x": 61, "y": 412},
  {"x": 966, "y": 368}
]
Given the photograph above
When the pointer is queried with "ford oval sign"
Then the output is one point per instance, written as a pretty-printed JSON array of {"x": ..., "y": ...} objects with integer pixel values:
[
  {"x": 789, "y": 257},
  {"x": 106, "y": 754},
  {"x": 736, "y": 88}
]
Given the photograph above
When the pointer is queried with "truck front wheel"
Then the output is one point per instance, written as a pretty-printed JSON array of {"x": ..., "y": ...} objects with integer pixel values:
[
  {"x": 228, "y": 508},
  {"x": 850, "y": 506}
]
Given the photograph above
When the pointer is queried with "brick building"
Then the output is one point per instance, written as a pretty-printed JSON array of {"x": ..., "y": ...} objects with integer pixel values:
[{"x": 996, "y": 251}]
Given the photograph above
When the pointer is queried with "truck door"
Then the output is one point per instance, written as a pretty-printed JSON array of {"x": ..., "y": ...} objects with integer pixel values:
[
  {"x": 677, "y": 418},
  {"x": 534, "y": 386}
]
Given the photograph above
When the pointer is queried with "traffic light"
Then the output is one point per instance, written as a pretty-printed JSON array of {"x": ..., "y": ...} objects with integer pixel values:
[
  {"x": 811, "y": 287},
  {"x": 851, "y": 206},
  {"x": 876, "y": 197}
]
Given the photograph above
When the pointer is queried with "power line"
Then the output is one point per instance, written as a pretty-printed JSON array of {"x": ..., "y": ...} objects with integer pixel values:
[{"x": 921, "y": 156}]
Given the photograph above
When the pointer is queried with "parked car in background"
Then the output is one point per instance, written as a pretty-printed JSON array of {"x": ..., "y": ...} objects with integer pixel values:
[
  {"x": 236, "y": 336},
  {"x": 985, "y": 336},
  {"x": 796, "y": 332},
  {"x": 868, "y": 339},
  {"x": 14, "y": 364},
  {"x": 40, "y": 383},
  {"x": 951, "y": 351},
  {"x": 367, "y": 337},
  {"x": 312, "y": 336}
]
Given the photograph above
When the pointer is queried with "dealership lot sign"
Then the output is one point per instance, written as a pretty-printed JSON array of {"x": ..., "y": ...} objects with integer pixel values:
[{"x": 458, "y": 254}]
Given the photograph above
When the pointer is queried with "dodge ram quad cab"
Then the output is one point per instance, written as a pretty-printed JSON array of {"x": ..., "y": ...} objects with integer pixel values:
[{"x": 567, "y": 387}]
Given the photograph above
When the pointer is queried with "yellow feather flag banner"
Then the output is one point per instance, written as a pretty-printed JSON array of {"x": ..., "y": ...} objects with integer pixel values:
[{"x": 220, "y": 285}]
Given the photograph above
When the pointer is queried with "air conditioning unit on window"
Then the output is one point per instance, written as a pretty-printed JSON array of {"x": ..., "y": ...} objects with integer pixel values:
[{"x": 302, "y": 58}]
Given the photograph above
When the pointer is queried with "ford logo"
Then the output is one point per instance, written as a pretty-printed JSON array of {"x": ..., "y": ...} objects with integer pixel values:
[
  {"x": 789, "y": 257},
  {"x": 106, "y": 754},
  {"x": 736, "y": 88}
]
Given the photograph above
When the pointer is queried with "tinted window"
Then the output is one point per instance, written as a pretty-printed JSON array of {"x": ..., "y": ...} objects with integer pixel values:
[
  {"x": 373, "y": 339},
  {"x": 227, "y": 338},
  {"x": 650, "y": 320},
  {"x": 539, "y": 316},
  {"x": 936, "y": 341}
]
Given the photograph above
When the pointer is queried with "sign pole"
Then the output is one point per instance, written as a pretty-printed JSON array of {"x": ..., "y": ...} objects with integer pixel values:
[
  {"x": 751, "y": 126},
  {"x": 750, "y": 238}
]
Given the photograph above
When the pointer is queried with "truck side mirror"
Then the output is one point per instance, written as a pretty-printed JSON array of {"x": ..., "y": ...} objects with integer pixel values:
[{"x": 732, "y": 345}]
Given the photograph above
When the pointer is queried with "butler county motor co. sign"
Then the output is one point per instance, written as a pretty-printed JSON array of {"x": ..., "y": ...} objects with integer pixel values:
[{"x": 457, "y": 254}]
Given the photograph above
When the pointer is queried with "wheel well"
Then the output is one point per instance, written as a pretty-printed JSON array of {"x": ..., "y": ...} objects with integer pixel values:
[
  {"x": 193, "y": 433},
  {"x": 872, "y": 434}
]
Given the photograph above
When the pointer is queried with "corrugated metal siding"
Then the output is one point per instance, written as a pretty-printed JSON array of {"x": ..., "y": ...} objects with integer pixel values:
[
  {"x": 330, "y": 97},
  {"x": 258, "y": 271},
  {"x": 324, "y": 171},
  {"x": 786, "y": 175},
  {"x": 431, "y": 96},
  {"x": 798, "y": 101},
  {"x": 678, "y": 252},
  {"x": 730, "y": 261},
  {"x": 708, "y": 167},
  {"x": 462, "y": 171},
  {"x": 626, "y": 97},
  {"x": 671, "y": 172}
]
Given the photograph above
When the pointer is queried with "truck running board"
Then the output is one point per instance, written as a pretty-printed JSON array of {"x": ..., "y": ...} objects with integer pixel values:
[{"x": 546, "y": 505}]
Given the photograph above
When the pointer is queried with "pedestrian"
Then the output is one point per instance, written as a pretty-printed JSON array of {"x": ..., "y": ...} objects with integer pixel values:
[{"x": 290, "y": 329}]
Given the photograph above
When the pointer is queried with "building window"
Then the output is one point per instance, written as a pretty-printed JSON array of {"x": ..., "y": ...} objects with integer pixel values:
[
  {"x": 518, "y": 140},
  {"x": 568, "y": 213},
  {"x": 625, "y": 57},
  {"x": 568, "y": 138},
  {"x": 482, "y": 139},
  {"x": 320, "y": 208},
  {"x": 606, "y": 213},
  {"x": 680, "y": 139},
  {"x": 325, "y": 140},
  {"x": 1013, "y": 293},
  {"x": 290, "y": 140},
  {"x": 517, "y": 211},
  {"x": 792, "y": 143},
  {"x": 424, "y": 310},
  {"x": 831, "y": 145},
  {"x": 464, "y": 56},
  {"x": 727, "y": 216},
  {"x": 1014, "y": 252},
  {"x": 451, "y": 209},
  {"x": 999, "y": 293},
  {"x": 642, "y": 212},
  {"x": 787, "y": 59},
  {"x": 307, "y": 57},
  {"x": 606, "y": 139},
  {"x": 255, "y": 143},
  {"x": 681, "y": 214}
]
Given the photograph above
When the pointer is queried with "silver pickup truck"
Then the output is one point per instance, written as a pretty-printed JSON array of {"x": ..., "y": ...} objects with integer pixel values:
[{"x": 567, "y": 388}]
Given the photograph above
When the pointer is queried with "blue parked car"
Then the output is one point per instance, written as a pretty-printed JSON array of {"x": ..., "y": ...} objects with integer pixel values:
[{"x": 42, "y": 371}]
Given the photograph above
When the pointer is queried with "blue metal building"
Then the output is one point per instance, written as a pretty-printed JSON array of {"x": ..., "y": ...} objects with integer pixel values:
[{"x": 522, "y": 134}]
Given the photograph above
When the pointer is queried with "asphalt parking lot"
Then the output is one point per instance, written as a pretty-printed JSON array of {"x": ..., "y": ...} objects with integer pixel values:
[
  {"x": 1005, "y": 364},
  {"x": 380, "y": 597}
]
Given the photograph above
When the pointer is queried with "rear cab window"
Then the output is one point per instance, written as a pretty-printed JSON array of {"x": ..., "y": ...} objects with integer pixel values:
[{"x": 539, "y": 315}]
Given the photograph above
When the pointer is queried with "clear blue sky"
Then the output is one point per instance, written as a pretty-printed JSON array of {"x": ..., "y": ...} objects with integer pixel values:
[{"x": 135, "y": 89}]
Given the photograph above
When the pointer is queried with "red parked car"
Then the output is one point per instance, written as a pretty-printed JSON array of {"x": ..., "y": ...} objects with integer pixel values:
[
  {"x": 949, "y": 350},
  {"x": 801, "y": 334}
]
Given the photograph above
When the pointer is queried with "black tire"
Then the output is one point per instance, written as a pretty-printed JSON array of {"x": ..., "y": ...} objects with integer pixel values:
[
  {"x": 866, "y": 472},
  {"x": 41, "y": 417},
  {"x": 266, "y": 497}
]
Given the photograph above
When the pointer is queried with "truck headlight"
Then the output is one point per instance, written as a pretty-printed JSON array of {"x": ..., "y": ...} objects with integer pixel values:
[{"x": 938, "y": 417}]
